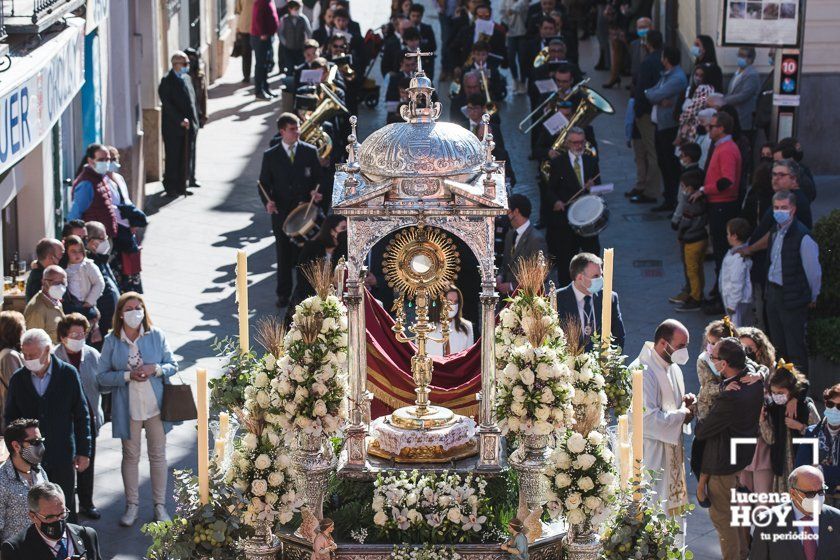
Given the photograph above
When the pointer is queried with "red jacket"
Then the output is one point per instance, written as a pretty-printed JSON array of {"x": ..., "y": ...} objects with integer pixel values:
[
  {"x": 264, "y": 20},
  {"x": 725, "y": 164},
  {"x": 101, "y": 208}
]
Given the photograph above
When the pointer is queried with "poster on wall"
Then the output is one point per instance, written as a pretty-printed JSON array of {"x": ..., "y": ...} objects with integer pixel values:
[{"x": 762, "y": 23}]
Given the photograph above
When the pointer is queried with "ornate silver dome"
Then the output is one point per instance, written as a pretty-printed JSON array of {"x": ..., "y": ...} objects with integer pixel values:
[{"x": 414, "y": 149}]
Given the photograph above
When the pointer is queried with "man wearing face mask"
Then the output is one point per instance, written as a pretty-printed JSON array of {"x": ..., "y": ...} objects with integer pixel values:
[
  {"x": 50, "y": 535},
  {"x": 582, "y": 300},
  {"x": 666, "y": 411},
  {"x": 179, "y": 124},
  {"x": 734, "y": 414},
  {"x": 522, "y": 241},
  {"x": 18, "y": 474},
  {"x": 99, "y": 251},
  {"x": 827, "y": 434},
  {"x": 810, "y": 529},
  {"x": 45, "y": 310},
  {"x": 742, "y": 91},
  {"x": 47, "y": 251},
  {"x": 51, "y": 391}
]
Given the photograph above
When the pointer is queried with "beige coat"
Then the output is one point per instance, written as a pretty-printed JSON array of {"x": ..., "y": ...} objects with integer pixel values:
[
  {"x": 244, "y": 10},
  {"x": 42, "y": 313}
]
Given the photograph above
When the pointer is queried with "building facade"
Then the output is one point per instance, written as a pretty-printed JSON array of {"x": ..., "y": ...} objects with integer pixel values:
[{"x": 75, "y": 72}]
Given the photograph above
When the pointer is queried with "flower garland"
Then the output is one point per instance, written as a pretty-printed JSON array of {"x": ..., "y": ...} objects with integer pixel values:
[
  {"x": 309, "y": 388},
  {"x": 426, "y": 552},
  {"x": 262, "y": 473},
  {"x": 438, "y": 507},
  {"x": 581, "y": 478}
]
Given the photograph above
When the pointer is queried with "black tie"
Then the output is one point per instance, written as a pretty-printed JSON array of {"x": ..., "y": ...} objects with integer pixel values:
[{"x": 515, "y": 237}]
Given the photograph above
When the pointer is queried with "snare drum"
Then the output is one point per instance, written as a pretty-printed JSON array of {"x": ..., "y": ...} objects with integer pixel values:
[
  {"x": 303, "y": 223},
  {"x": 588, "y": 215}
]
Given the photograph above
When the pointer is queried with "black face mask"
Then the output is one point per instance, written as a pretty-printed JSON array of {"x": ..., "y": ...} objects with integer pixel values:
[
  {"x": 54, "y": 530},
  {"x": 767, "y": 159},
  {"x": 751, "y": 355},
  {"x": 33, "y": 454},
  {"x": 701, "y": 130},
  {"x": 342, "y": 238},
  {"x": 798, "y": 155}
]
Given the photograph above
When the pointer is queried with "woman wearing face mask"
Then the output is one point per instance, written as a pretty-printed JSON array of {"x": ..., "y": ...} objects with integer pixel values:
[
  {"x": 705, "y": 81},
  {"x": 99, "y": 251},
  {"x": 12, "y": 327},
  {"x": 461, "y": 331},
  {"x": 827, "y": 434},
  {"x": 72, "y": 331},
  {"x": 759, "y": 197},
  {"x": 92, "y": 195},
  {"x": 20, "y": 473},
  {"x": 787, "y": 384},
  {"x": 330, "y": 244},
  {"x": 126, "y": 248},
  {"x": 136, "y": 361}
]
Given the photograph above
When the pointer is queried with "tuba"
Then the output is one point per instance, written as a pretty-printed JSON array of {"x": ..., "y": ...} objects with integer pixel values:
[
  {"x": 591, "y": 105},
  {"x": 311, "y": 131}
]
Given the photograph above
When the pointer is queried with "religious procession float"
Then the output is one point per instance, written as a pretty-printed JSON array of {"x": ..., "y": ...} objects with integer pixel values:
[{"x": 343, "y": 438}]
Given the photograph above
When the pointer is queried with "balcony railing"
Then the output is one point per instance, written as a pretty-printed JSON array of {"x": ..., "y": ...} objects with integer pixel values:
[{"x": 33, "y": 16}]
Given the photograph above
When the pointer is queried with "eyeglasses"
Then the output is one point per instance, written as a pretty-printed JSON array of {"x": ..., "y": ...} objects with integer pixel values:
[
  {"x": 811, "y": 493},
  {"x": 52, "y": 518},
  {"x": 714, "y": 357},
  {"x": 34, "y": 441}
]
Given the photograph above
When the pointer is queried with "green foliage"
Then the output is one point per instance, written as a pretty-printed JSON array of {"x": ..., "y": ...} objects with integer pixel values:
[
  {"x": 227, "y": 392},
  {"x": 348, "y": 504},
  {"x": 197, "y": 531},
  {"x": 617, "y": 379},
  {"x": 827, "y": 235},
  {"x": 823, "y": 334}
]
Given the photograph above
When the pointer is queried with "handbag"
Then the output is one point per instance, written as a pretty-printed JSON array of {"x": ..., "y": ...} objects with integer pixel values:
[
  {"x": 237, "y": 46},
  {"x": 178, "y": 403}
]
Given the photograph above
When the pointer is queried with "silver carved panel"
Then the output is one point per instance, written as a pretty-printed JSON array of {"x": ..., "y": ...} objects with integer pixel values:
[{"x": 420, "y": 187}]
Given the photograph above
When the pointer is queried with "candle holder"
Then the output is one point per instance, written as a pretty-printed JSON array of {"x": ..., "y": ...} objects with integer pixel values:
[
  {"x": 264, "y": 545},
  {"x": 582, "y": 542},
  {"x": 314, "y": 461},
  {"x": 529, "y": 461}
]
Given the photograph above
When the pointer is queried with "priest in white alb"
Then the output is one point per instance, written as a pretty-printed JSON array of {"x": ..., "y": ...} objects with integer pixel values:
[{"x": 666, "y": 413}]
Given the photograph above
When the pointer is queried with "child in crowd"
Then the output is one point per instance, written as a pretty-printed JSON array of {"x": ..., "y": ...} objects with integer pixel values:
[
  {"x": 735, "y": 284},
  {"x": 689, "y": 154},
  {"x": 84, "y": 285},
  {"x": 691, "y": 232}
]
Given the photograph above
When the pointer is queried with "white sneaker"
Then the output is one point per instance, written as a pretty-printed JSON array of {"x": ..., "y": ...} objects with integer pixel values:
[
  {"x": 130, "y": 515},
  {"x": 161, "y": 514}
]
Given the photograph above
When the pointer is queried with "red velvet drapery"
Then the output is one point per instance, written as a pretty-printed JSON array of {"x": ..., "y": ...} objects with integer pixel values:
[{"x": 455, "y": 382}]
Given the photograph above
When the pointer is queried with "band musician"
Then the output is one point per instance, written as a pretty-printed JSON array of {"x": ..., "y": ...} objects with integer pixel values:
[
  {"x": 290, "y": 175},
  {"x": 573, "y": 173}
]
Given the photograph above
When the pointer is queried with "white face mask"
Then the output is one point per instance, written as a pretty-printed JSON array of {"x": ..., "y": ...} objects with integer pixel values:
[
  {"x": 453, "y": 310},
  {"x": 133, "y": 318},
  {"x": 680, "y": 357},
  {"x": 813, "y": 505},
  {"x": 57, "y": 291},
  {"x": 33, "y": 365},
  {"x": 104, "y": 247},
  {"x": 74, "y": 345},
  {"x": 779, "y": 399}
]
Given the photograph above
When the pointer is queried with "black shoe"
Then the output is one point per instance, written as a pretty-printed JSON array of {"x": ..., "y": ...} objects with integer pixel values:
[
  {"x": 612, "y": 84},
  {"x": 246, "y": 80},
  {"x": 271, "y": 94},
  {"x": 282, "y": 302},
  {"x": 90, "y": 512},
  {"x": 169, "y": 194},
  {"x": 187, "y": 193},
  {"x": 642, "y": 199},
  {"x": 689, "y": 305},
  {"x": 262, "y": 97},
  {"x": 633, "y": 192},
  {"x": 664, "y": 207},
  {"x": 195, "y": 185}
]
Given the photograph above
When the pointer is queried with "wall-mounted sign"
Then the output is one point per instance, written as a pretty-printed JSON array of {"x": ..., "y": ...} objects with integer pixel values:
[{"x": 761, "y": 23}]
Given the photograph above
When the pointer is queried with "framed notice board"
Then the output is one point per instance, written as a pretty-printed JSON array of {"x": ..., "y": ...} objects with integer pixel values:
[{"x": 762, "y": 23}]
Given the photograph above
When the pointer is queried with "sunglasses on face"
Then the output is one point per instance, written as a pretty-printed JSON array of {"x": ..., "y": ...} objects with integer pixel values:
[
  {"x": 812, "y": 493},
  {"x": 34, "y": 441}
]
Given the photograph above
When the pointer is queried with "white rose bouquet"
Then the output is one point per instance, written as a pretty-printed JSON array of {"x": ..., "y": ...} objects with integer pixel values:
[
  {"x": 262, "y": 472},
  {"x": 426, "y": 552},
  {"x": 435, "y": 508},
  {"x": 581, "y": 478},
  {"x": 589, "y": 399},
  {"x": 309, "y": 388}
]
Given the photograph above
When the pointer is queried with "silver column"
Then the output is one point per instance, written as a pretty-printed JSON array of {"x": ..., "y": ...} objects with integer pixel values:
[
  {"x": 355, "y": 455},
  {"x": 489, "y": 435}
]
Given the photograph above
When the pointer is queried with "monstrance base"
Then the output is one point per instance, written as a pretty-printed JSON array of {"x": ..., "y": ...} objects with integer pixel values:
[{"x": 435, "y": 417}]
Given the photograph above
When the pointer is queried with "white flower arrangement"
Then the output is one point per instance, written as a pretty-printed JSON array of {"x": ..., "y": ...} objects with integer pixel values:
[
  {"x": 581, "y": 478},
  {"x": 426, "y": 552},
  {"x": 262, "y": 473},
  {"x": 447, "y": 505},
  {"x": 307, "y": 393},
  {"x": 589, "y": 398}
]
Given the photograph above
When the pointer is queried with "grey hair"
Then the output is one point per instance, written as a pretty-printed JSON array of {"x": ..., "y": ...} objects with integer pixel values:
[
  {"x": 785, "y": 195},
  {"x": 791, "y": 165},
  {"x": 43, "y": 491},
  {"x": 472, "y": 74},
  {"x": 36, "y": 336},
  {"x": 576, "y": 130},
  {"x": 54, "y": 269},
  {"x": 96, "y": 229},
  {"x": 178, "y": 54}
]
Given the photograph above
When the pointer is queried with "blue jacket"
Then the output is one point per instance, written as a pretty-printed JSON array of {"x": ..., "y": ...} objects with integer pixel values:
[
  {"x": 830, "y": 465},
  {"x": 62, "y": 411},
  {"x": 113, "y": 366},
  {"x": 669, "y": 87}
]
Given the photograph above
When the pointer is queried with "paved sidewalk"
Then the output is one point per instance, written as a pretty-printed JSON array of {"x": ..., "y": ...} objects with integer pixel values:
[{"x": 189, "y": 254}]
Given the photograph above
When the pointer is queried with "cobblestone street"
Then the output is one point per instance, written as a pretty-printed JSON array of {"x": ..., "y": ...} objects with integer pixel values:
[{"x": 189, "y": 257}]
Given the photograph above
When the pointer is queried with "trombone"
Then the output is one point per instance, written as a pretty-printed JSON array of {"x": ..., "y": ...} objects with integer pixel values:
[
  {"x": 548, "y": 100},
  {"x": 490, "y": 106}
]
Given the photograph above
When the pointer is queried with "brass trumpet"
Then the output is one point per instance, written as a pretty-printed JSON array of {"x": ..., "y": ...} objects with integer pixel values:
[
  {"x": 549, "y": 99},
  {"x": 541, "y": 58},
  {"x": 344, "y": 66},
  {"x": 489, "y": 105}
]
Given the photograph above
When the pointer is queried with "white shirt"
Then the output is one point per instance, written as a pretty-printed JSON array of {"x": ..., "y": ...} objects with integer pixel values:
[
  {"x": 520, "y": 231},
  {"x": 290, "y": 149},
  {"x": 54, "y": 544},
  {"x": 798, "y": 515},
  {"x": 579, "y": 296},
  {"x": 142, "y": 402},
  {"x": 458, "y": 341},
  {"x": 579, "y": 159}
]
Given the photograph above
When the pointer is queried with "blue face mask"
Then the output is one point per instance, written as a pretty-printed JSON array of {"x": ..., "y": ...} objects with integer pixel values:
[
  {"x": 102, "y": 167},
  {"x": 642, "y": 32},
  {"x": 695, "y": 51},
  {"x": 832, "y": 416},
  {"x": 184, "y": 70},
  {"x": 742, "y": 62},
  {"x": 596, "y": 285},
  {"x": 711, "y": 365},
  {"x": 781, "y": 216},
  {"x": 115, "y": 167}
]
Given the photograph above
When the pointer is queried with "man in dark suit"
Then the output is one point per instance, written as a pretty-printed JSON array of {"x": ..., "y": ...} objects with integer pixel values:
[
  {"x": 290, "y": 175},
  {"x": 50, "y": 391},
  {"x": 582, "y": 300},
  {"x": 572, "y": 171},
  {"x": 463, "y": 40},
  {"x": 648, "y": 182},
  {"x": 523, "y": 240},
  {"x": 495, "y": 82},
  {"x": 734, "y": 414},
  {"x": 179, "y": 125},
  {"x": 785, "y": 541},
  {"x": 428, "y": 42},
  {"x": 50, "y": 536}
]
